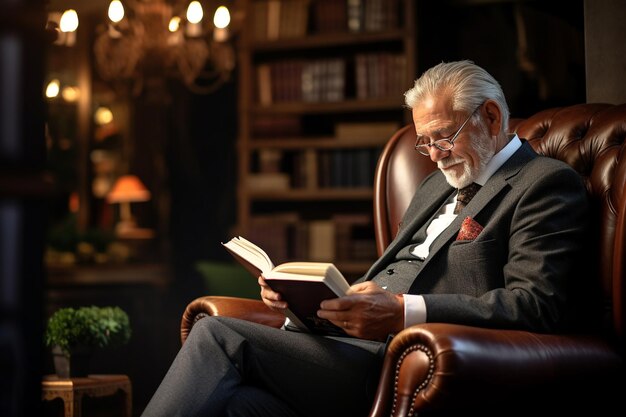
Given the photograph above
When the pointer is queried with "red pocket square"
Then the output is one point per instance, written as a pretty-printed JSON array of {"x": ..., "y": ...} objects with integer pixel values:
[{"x": 470, "y": 229}]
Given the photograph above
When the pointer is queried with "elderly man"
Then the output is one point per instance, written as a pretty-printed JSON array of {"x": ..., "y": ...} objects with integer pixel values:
[{"x": 489, "y": 239}]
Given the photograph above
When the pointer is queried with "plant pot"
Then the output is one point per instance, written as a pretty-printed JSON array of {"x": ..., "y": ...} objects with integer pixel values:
[{"x": 73, "y": 365}]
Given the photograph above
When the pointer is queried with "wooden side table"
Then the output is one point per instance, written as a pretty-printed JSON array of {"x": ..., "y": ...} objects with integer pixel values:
[{"x": 72, "y": 390}]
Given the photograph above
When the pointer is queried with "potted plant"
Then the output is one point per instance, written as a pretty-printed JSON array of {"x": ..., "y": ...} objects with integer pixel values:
[{"x": 74, "y": 333}]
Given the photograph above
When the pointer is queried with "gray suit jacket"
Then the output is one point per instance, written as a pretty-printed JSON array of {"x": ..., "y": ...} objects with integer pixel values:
[{"x": 515, "y": 273}]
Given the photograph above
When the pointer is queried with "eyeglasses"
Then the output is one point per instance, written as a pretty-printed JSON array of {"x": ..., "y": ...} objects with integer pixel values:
[{"x": 445, "y": 144}]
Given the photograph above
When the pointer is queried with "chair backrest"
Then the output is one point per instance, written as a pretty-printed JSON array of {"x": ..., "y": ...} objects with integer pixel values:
[{"x": 589, "y": 137}]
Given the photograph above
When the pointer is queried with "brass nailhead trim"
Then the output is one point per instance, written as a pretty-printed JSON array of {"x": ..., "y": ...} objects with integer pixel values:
[{"x": 431, "y": 368}]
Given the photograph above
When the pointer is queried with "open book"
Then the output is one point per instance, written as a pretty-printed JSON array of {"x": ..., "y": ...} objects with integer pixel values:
[{"x": 304, "y": 285}]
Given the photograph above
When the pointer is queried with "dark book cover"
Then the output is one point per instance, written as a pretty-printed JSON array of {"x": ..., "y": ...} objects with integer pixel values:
[{"x": 304, "y": 298}]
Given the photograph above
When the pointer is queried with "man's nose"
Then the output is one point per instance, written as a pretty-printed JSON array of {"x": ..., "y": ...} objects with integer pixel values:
[{"x": 437, "y": 154}]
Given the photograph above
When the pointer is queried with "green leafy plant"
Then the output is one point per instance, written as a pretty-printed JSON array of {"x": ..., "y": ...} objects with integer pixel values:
[{"x": 91, "y": 327}]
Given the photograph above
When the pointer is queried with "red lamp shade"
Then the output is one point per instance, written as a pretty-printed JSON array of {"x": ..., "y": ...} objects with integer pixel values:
[{"x": 127, "y": 189}]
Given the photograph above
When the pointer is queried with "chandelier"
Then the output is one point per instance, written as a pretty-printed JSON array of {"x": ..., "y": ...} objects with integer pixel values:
[{"x": 148, "y": 39}]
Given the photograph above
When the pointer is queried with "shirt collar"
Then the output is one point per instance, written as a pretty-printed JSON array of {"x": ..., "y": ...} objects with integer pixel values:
[{"x": 498, "y": 160}]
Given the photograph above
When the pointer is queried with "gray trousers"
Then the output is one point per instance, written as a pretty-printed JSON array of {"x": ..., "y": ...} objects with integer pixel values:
[{"x": 230, "y": 367}]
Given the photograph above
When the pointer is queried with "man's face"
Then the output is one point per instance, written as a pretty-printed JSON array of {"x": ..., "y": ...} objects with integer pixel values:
[{"x": 473, "y": 147}]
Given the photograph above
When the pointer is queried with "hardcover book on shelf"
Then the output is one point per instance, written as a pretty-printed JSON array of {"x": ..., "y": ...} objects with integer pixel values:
[
  {"x": 264, "y": 84},
  {"x": 379, "y": 75},
  {"x": 278, "y": 234},
  {"x": 268, "y": 181},
  {"x": 259, "y": 21},
  {"x": 304, "y": 285},
  {"x": 330, "y": 16},
  {"x": 354, "y": 237},
  {"x": 293, "y": 18}
]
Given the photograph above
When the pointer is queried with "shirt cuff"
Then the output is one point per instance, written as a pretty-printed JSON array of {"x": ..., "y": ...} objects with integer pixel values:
[
  {"x": 414, "y": 310},
  {"x": 286, "y": 323}
]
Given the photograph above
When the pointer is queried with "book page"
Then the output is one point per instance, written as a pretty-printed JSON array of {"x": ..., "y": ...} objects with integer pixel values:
[
  {"x": 311, "y": 272},
  {"x": 336, "y": 281},
  {"x": 303, "y": 284},
  {"x": 250, "y": 253},
  {"x": 303, "y": 268}
]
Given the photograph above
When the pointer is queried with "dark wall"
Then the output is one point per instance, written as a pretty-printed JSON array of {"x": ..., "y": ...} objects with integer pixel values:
[
  {"x": 204, "y": 169},
  {"x": 605, "y": 51},
  {"x": 534, "y": 48},
  {"x": 185, "y": 149},
  {"x": 202, "y": 160},
  {"x": 23, "y": 194}
]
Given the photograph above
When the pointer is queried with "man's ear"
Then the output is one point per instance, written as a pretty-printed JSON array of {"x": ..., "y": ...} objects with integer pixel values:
[{"x": 493, "y": 115}]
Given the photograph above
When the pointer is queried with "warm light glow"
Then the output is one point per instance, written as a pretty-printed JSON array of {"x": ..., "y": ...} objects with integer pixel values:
[
  {"x": 69, "y": 21},
  {"x": 103, "y": 116},
  {"x": 194, "y": 12},
  {"x": 70, "y": 93},
  {"x": 221, "y": 19},
  {"x": 174, "y": 24},
  {"x": 145, "y": 37},
  {"x": 52, "y": 90},
  {"x": 128, "y": 188},
  {"x": 74, "y": 202},
  {"x": 116, "y": 11}
]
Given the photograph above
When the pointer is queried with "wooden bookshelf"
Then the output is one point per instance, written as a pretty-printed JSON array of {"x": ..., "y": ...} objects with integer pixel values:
[{"x": 313, "y": 95}]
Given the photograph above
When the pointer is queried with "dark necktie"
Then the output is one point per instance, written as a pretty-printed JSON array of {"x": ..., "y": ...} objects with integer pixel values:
[{"x": 465, "y": 195}]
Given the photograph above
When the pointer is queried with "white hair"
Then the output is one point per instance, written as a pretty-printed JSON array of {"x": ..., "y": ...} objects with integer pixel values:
[{"x": 467, "y": 85}]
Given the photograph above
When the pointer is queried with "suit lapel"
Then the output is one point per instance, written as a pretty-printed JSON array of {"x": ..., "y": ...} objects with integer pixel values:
[
  {"x": 439, "y": 190},
  {"x": 436, "y": 190},
  {"x": 495, "y": 184}
]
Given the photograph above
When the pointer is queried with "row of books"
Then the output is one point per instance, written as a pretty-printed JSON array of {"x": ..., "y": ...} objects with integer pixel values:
[
  {"x": 283, "y": 19},
  {"x": 321, "y": 80},
  {"x": 312, "y": 169},
  {"x": 337, "y": 168},
  {"x": 279, "y": 19},
  {"x": 380, "y": 75},
  {"x": 373, "y": 15},
  {"x": 287, "y": 237},
  {"x": 377, "y": 75},
  {"x": 335, "y": 16}
]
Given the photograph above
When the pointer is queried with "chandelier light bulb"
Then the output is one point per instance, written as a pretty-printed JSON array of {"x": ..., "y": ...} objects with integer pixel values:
[
  {"x": 174, "y": 24},
  {"x": 69, "y": 21},
  {"x": 52, "y": 90},
  {"x": 194, "y": 12},
  {"x": 221, "y": 19},
  {"x": 187, "y": 44},
  {"x": 116, "y": 11},
  {"x": 103, "y": 116},
  {"x": 70, "y": 94}
]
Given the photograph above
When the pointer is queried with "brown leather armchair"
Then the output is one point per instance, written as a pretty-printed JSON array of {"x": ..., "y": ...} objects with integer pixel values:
[{"x": 438, "y": 368}]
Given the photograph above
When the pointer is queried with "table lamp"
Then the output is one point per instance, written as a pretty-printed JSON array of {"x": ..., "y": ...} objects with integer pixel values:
[{"x": 127, "y": 189}]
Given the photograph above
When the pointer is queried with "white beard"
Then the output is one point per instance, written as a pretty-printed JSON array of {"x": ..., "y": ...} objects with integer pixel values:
[{"x": 484, "y": 150}]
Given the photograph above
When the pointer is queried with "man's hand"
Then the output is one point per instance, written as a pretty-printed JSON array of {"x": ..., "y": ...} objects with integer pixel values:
[
  {"x": 366, "y": 312},
  {"x": 271, "y": 298}
]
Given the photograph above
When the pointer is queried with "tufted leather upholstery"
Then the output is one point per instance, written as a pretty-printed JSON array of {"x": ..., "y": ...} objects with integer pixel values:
[{"x": 444, "y": 369}]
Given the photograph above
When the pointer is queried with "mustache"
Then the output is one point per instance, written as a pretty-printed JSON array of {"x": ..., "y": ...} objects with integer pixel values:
[{"x": 448, "y": 162}]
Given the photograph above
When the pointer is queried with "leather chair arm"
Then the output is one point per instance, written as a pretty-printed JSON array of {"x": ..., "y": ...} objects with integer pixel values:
[
  {"x": 435, "y": 367},
  {"x": 242, "y": 308}
]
